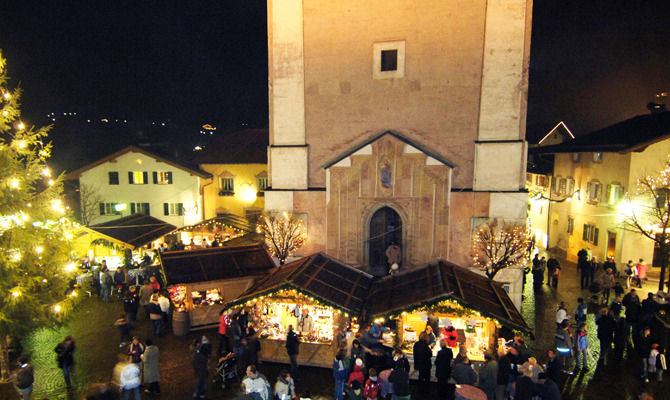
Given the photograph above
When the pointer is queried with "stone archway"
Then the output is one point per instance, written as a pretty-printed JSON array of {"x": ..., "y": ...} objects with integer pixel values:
[{"x": 384, "y": 230}]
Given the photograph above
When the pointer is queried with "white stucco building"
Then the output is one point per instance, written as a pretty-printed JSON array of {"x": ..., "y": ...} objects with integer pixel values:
[{"x": 133, "y": 181}]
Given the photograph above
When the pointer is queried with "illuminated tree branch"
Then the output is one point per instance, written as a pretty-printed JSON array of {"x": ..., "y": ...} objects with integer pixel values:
[{"x": 497, "y": 246}]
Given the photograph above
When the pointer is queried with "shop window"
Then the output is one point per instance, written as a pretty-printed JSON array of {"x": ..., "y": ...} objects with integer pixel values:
[
  {"x": 576, "y": 157},
  {"x": 202, "y": 298},
  {"x": 597, "y": 157},
  {"x": 540, "y": 180},
  {"x": 138, "y": 177},
  {"x": 110, "y": 209},
  {"x": 173, "y": 209},
  {"x": 388, "y": 60},
  {"x": 162, "y": 177},
  {"x": 178, "y": 297},
  {"x": 113, "y": 177},
  {"x": 140, "y": 208}
]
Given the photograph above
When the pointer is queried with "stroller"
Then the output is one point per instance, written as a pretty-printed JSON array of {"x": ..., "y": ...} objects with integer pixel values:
[{"x": 226, "y": 369}]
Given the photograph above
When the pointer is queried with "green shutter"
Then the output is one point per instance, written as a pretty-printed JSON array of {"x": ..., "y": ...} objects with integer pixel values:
[
  {"x": 595, "y": 236},
  {"x": 155, "y": 176},
  {"x": 146, "y": 208},
  {"x": 102, "y": 208},
  {"x": 166, "y": 209},
  {"x": 169, "y": 178},
  {"x": 132, "y": 208},
  {"x": 585, "y": 235},
  {"x": 130, "y": 177},
  {"x": 145, "y": 177},
  {"x": 180, "y": 208}
]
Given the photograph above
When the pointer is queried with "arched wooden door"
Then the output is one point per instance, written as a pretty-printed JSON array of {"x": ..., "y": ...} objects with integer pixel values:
[{"x": 385, "y": 230}]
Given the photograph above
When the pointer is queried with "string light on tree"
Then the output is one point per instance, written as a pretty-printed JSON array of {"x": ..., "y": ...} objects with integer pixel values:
[{"x": 499, "y": 245}]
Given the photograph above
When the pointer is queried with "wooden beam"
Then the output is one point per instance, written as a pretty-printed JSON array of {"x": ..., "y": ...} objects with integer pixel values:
[{"x": 493, "y": 287}]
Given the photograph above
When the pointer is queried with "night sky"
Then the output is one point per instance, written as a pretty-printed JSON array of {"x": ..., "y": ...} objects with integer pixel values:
[{"x": 166, "y": 68}]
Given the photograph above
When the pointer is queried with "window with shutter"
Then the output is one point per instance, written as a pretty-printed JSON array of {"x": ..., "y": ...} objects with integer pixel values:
[
  {"x": 162, "y": 178},
  {"x": 113, "y": 178},
  {"x": 585, "y": 234},
  {"x": 138, "y": 177},
  {"x": 166, "y": 209}
]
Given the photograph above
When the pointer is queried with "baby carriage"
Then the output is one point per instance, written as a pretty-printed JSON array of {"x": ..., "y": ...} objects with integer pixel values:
[{"x": 226, "y": 369}]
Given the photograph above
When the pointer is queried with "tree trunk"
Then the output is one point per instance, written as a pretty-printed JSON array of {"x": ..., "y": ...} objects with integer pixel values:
[
  {"x": 664, "y": 266},
  {"x": 4, "y": 358}
]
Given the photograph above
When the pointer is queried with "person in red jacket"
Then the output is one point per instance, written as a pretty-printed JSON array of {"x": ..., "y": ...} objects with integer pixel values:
[
  {"x": 357, "y": 373},
  {"x": 371, "y": 391},
  {"x": 224, "y": 345},
  {"x": 641, "y": 271}
]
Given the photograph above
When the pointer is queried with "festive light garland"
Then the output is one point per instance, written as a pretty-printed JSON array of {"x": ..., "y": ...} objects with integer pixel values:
[{"x": 288, "y": 292}]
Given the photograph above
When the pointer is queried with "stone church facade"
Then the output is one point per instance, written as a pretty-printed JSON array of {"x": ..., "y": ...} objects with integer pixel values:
[{"x": 397, "y": 120}]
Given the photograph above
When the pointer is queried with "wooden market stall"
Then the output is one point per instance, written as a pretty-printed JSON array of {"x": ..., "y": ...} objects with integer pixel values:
[
  {"x": 201, "y": 281},
  {"x": 219, "y": 230},
  {"x": 462, "y": 306},
  {"x": 317, "y": 295}
]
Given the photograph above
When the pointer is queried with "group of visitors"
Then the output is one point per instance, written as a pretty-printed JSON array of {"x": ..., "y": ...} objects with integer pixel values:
[{"x": 553, "y": 268}]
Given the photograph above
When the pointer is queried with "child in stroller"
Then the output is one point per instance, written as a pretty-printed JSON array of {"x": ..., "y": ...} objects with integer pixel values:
[{"x": 226, "y": 369}]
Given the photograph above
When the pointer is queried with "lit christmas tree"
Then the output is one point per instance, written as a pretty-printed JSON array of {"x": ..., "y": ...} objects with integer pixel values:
[
  {"x": 284, "y": 234},
  {"x": 35, "y": 265},
  {"x": 497, "y": 246},
  {"x": 648, "y": 212}
]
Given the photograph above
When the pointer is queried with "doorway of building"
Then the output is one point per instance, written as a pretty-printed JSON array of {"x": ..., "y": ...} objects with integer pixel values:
[
  {"x": 385, "y": 230},
  {"x": 611, "y": 244}
]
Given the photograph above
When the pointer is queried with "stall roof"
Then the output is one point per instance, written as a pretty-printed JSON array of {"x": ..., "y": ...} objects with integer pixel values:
[
  {"x": 133, "y": 231},
  {"x": 321, "y": 276},
  {"x": 215, "y": 263},
  {"x": 232, "y": 220},
  {"x": 444, "y": 280}
]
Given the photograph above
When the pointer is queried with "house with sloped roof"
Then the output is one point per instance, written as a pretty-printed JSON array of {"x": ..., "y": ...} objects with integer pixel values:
[
  {"x": 135, "y": 181},
  {"x": 584, "y": 195},
  {"x": 237, "y": 162}
]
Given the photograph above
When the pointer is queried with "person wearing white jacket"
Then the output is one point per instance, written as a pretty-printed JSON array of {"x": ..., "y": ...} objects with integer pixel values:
[
  {"x": 255, "y": 384},
  {"x": 130, "y": 381},
  {"x": 656, "y": 362}
]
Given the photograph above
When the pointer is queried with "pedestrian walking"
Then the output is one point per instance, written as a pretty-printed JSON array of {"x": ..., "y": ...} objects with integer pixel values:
[
  {"x": 606, "y": 327},
  {"x": 65, "y": 358},
  {"x": 443, "y": 368},
  {"x": 610, "y": 264},
  {"x": 130, "y": 381},
  {"x": 124, "y": 329},
  {"x": 553, "y": 366},
  {"x": 631, "y": 273},
  {"x": 553, "y": 271},
  {"x": 422, "y": 362},
  {"x": 641, "y": 272},
  {"x": 561, "y": 314},
  {"x": 340, "y": 373},
  {"x": 581, "y": 347},
  {"x": 155, "y": 315},
  {"x": 146, "y": 291},
  {"x": 504, "y": 371},
  {"x": 25, "y": 377},
  {"x": 538, "y": 273},
  {"x": 643, "y": 348},
  {"x": 607, "y": 282},
  {"x": 135, "y": 350},
  {"x": 657, "y": 362},
  {"x": 292, "y": 349},
  {"x": 131, "y": 304},
  {"x": 356, "y": 352},
  {"x": 488, "y": 376},
  {"x": 525, "y": 388},
  {"x": 106, "y": 282},
  {"x": 548, "y": 388},
  {"x": 580, "y": 311},
  {"x": 255, "y": 384},
  {"x": 619, "y": 339},
  {"x": 285, "y": 387},
  {"x": 462, "y": 372},
  {"x": 164, "y": 304},
  {"x": 563, "y": 344},
  {"x": 357, "y": 373},
  {"x": 151, "y": 360},
  {"x": 200, "y": 367}
]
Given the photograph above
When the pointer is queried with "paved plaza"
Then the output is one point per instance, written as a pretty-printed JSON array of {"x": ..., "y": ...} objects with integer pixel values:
[{"x": 98, "y": 351}]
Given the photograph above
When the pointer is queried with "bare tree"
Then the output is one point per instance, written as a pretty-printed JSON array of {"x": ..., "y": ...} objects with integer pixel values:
[
  {"x": 284, "y": 234},
  {"x": 498, "y": 245},
  {"x": 89, "y": 203},
  {"x": 647, "y": 212}
]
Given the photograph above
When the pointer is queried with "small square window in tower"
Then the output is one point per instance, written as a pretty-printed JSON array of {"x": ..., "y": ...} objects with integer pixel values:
[{"x": 389, "y": 60}]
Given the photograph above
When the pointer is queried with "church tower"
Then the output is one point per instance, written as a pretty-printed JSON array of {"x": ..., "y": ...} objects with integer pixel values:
[{"x": 397, "y": 122}]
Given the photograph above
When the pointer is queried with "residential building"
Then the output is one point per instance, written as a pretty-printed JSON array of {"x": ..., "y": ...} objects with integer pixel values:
[
  {"x": 583, "y": 201},
  {"x": 384, "y": 133},
  {"x": 133, "y": 181},
  {"x": 237, "y": 162}
]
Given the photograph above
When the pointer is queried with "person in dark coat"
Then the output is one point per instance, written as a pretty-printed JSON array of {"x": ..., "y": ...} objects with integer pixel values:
[
  {"x": 443, "y": 368},
  {"x": 504, "y": 371},
  {"x": 553, "y": 366},
  {"x": 292, "y": 344},
  {"x": 400, "y": 358},
  {"x": 488, "y": 376},
  {"x": 399, "y": 378},
  {"x": 619, "y": 339},
  {"x": 463, "y": 373},
  {"x": 131, "y": 303},
  {"x": 65, "y": 357},
  {"x": 422, "y": 362},
  {"x": 525, "y": 388},
  {"x": 201, "y": 370},
  {"x": 548, "y": 389},
  {"x": 606, "y": 327}
]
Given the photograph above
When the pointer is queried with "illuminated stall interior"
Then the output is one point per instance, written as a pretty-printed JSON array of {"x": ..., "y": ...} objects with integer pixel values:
[
  {"x": 223, "y": 228},
  {"x": 318, "y": 295},
  {"x": 463, "y": 307},
  {"x": 138, "y": 232},
  {"x": 201, "y": 281}
]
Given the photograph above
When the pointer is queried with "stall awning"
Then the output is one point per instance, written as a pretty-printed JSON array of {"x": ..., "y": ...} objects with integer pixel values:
[
  {"x": 216, "y": 263},
  {"x": 433, "y": 283},
  {"x": 326, "y": 279},
  {"x": 132, "y": 231},
  {"x": 224, "y": 220}
]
